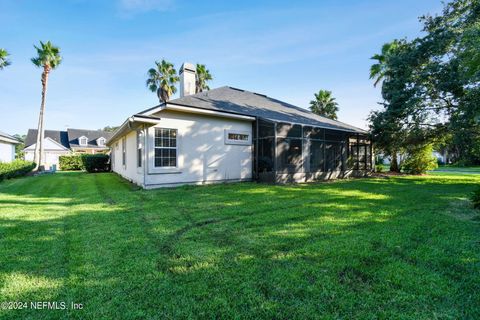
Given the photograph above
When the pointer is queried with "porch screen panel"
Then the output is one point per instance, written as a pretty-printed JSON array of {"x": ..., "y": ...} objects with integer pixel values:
[
  {"x": 289, "y": 155},
  {"x": 289, "y": 130},
  {"x": 316, "y": 156},
  {"x": 265, "y": 142},
  {"x": 369, "y": 156},
  {"x": 266, "y": 129},
  {"x": 333, "y": 156},
  {"x": 352, "y": 161},
  {"x": 334, "y": 135},
  {"x": 266, "y": 154}
]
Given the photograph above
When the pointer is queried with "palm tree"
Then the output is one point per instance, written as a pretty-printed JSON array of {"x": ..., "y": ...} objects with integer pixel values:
[
  {"x": 48, "y": 57},
  {"x": 202, "y": 76},
  {"x": 324, "y": 104},
  {"x": 379, "y": 70},
  {"x": 162, "y": 79},
  {"x": 3, "y": 58}
]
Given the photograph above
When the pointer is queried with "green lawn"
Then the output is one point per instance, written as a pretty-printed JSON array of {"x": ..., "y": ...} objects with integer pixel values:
[
  {"x": 403, "y": 247},
  {"x": 457, "y": 169}
]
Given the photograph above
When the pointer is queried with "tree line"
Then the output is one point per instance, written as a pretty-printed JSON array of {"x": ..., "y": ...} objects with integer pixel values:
[{"x": 431, "y": 90}]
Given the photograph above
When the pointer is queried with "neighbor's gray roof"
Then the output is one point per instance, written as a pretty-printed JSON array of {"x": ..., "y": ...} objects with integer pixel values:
[
  {"x": 238, "y": 101},
  {"x": 92, "y": 135},
  {"x": 60, "y": 137},
  {"x": 6, "y": 137},
  {"x": 69, "y": 138}
]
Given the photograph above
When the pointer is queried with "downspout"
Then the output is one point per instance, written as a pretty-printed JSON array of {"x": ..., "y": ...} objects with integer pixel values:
[
  {"x": 257, "y": 174},
  {"x": 145, "y": 162}
]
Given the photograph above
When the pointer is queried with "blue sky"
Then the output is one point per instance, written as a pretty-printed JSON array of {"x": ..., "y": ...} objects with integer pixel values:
[{"x": 284, "y": 49}]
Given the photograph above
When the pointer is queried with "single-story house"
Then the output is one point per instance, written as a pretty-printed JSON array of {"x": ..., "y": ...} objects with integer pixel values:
[
  {"x": 230, "y": 134},
  {"x": 7, "y": 147},
  {"x": 58, "y": 143}
]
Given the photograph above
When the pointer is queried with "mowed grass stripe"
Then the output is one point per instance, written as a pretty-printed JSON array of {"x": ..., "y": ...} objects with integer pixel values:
[{"x": 403, "y": 247}]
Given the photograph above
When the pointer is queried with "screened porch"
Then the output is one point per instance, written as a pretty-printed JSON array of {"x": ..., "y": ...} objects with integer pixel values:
[{"x": 285, "y": 152}]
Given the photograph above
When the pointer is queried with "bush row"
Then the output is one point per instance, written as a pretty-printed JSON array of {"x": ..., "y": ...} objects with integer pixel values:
[
  {"x": 73, "y": 162},
  {"x": 15, "y": 168},
  {"x": 88, "y": 162}
]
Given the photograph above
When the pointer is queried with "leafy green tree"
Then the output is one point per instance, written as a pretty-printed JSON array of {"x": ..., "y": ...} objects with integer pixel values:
[
  {"x": 109, "y": 128},
  {"x": 162, "y": 80},
  {"x": 20, "y": 154},
  {"x": 4, "y": 62},
  {"x": 48, "y": 58},
  {"x": 202, "y": 76},
  {"x": 388, "y": 136},
  {"x": 378, "y": 71},
  {"x": 324, "y": 104},
  {"x": 419, "y": 159},
  {"x": 430, "y": 85}
]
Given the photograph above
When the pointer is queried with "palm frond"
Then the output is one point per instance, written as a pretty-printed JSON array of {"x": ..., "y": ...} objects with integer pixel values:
[{"x": 48, "y": 55}]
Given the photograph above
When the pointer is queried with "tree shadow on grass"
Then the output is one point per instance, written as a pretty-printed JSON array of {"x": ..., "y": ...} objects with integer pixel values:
[{"x": 254, "y": 250}]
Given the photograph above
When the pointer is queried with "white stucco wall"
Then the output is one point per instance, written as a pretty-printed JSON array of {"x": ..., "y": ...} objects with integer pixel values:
[
  {"x": 202, "y": 154},
  {"x": 7, "y": 152},
  {"x": 129, "y": 171}
]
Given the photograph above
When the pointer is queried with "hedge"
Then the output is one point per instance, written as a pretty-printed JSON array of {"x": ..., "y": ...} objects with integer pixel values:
[
  {"x": 89, "y": 162},
  {"x": 16, "y": 168},
  {"x": 72, "y": 162},
  {"x": 96, "y": 162}
]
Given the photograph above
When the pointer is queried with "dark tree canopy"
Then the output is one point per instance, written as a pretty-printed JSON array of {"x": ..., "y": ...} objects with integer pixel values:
[{"x": 430, "y": 86}]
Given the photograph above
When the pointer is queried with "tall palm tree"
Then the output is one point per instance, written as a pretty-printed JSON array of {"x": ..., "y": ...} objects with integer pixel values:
[
  {"x": 379, "y": 70},
  {"x": 202, "y": 76},
  {"x": 3, "y": 58},
  {"x": 48, "y": 58},
  {"x": 162, "y": 80},
  {"x": 324, "y": 104}
]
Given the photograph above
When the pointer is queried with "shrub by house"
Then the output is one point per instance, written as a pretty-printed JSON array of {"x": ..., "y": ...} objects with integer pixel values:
[{"x": 15, "y": 169}]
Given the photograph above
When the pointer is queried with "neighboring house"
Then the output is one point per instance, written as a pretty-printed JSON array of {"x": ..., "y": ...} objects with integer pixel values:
[
  {"x": 7, "y": 147},
  {"x": 58, "y": 143},
  {"x": 229, "y": 134}
]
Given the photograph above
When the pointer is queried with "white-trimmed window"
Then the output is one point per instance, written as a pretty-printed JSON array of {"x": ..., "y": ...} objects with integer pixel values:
[
  {"x": 101, "y": 141},
  {"x": 83, "y": 141},
  {"x": 237, "y": 137},
  {"x": 140, "y": 140},
  {"x": 165, "y": 146},
  {"x": 124, "y": 151}
]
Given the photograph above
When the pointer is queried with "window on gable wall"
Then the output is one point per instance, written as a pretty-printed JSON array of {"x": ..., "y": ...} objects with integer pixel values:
[
  {"x": 140, "y": 139},
  {"x": 165, "y": 147},
  {"x": 237, "y": 137}
]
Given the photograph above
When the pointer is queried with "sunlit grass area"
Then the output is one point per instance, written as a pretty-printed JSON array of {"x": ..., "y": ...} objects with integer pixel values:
[
  {"x": 459, "y": 169},
  {"x": 398, "y": 247}
]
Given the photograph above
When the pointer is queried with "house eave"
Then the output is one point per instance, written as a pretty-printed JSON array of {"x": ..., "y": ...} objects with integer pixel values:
[
  {"x": 131, "y": 124},
  {"x": 8, "y": 140}
]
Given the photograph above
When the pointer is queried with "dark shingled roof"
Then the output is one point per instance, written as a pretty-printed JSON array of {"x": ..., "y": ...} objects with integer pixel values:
[
  {"x": 92, "y": 135},
  {"x": 69, "y": 138},
  {"x": 60, "y": 137},
  {"x": 233, "y": 100}
]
